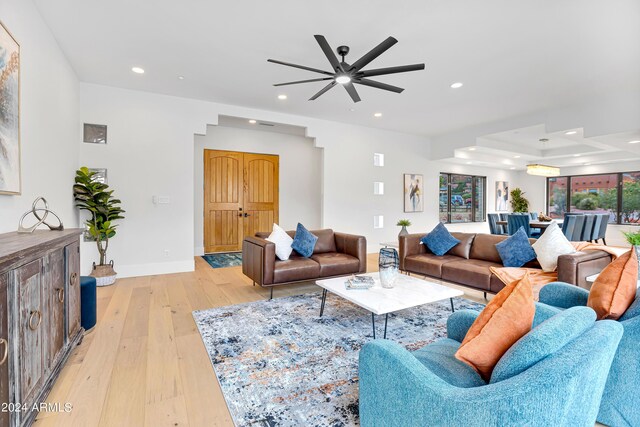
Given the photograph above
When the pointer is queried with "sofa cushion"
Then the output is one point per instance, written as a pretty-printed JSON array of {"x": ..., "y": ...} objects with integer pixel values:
[
  {"x": 516, "y": 251},
  {"x": 550, "y": 246},
  {"x": 470, "y": 272},
  {"x": 283, "y": 242},
  {"x": 304, "y": 241},
  {"x": 439, "y": 358},
  {"x": 336, "y": 264},
  {"x": 614, "y": 290},
  {"x": 462, "y": 249},
  {"x": 505, "y": 319},
  {"x": 326, "y": 241},
  {"x": 428, "y": 264},
  {"x": 544, "y": 340},
  {"x": 484, "y": 247},
  {"x": 633, "y": 310},
  {"x": 295, "y": 268},
  {"x": 439, "y": 240}
]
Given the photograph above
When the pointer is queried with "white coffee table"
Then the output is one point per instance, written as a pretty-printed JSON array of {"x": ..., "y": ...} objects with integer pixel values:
[{"x": 408, "y": 292}]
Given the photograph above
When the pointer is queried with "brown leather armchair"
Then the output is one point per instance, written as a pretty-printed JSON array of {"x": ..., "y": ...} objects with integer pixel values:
[{"x": 335, "y": 254}]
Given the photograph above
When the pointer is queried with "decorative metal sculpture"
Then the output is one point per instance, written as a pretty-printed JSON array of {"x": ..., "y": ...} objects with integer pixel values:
[{"x": 34, "y": 210}]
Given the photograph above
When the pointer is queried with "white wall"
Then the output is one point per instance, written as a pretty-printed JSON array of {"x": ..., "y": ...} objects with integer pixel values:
[
  {"x": 49, "y": 118},
  {"x": 300, "y": 173},
  {"x": 151, "y": 152}
]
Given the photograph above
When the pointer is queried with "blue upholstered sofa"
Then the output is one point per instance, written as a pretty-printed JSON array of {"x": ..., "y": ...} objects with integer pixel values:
[
  {"x": 620, "y": 404},
  {"x": 555, "y": 375}
]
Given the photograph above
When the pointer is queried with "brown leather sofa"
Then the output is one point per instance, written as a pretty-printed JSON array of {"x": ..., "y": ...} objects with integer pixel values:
[
  {"x": 335, "y": 254},
  {"x": 468, "y": 263}
]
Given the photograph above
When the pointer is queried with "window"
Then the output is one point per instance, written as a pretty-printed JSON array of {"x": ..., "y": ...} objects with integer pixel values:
[
  {"x": 617, "y": 194},
  {"x": 462, "y": 198}
]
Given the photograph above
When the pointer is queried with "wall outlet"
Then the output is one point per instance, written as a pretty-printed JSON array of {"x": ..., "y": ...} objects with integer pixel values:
[{"x": 166, "y": 252}]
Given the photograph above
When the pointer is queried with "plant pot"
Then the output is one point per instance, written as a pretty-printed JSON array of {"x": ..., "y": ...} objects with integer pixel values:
[
  {"x": 403, "y": 231},
  {"x": 104, "y": 274}
]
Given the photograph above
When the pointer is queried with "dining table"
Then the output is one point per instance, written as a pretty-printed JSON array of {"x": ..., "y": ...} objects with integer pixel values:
[{"x": 542, "y": 225}]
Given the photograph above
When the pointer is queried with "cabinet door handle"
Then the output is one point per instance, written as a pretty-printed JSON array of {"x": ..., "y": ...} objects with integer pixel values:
[
  {"x": 61, "y": 294},
  {"x": 33, "y": 314},
  {"x": 74, "y": 278},
  {"x": 5, "y": 353}
]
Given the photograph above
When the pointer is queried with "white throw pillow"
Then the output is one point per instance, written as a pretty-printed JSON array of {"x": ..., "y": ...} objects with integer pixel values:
[
  {"x": 550, "y": 246},
  {"x": 282, "y": 241}
]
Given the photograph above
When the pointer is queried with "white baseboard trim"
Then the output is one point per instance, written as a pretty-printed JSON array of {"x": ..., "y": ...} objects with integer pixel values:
[
  {"x": 155, "y": 268},
  {"x": 198, "y": 251}
]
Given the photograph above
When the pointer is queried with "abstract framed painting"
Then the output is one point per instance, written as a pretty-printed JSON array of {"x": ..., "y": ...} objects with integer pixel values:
[
  {"x": 413, "y": 193},
  {"x": 502, "y": 196},
  {"x": 10, "y": 180}
]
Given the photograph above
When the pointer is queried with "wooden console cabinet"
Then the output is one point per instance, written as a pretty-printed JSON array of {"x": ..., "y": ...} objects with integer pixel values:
[{"x": 39, "y": 317}]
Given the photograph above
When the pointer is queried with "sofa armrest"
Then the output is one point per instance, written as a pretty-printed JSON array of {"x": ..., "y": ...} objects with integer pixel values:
[
  {"x": 258, "y": 260},
  {"x": 563, "y": 295},
  {"x": 409, "y": 244},
  {"x": 353, "y": 245},
  {"x": 576, "y": 267},
  {"x": 458, "y": 323}
]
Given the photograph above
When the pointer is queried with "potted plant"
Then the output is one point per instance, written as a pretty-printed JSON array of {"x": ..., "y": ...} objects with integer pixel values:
[
  {"x": 634, "y": 239},
  {"x": 404, "y": 223},
  {"x": 518, "y": 202},
  {"x": 96, "y": 198}
]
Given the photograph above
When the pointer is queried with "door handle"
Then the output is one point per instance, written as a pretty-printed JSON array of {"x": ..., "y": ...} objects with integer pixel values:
[
  {"x": 246, "y": 215},
  {"x": 5, "y": 352},
  {"x": 60, "y": 294},
  {"x": 32, "y": 316}
]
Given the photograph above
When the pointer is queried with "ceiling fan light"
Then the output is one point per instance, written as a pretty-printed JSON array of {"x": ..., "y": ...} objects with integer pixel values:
[
  {"x": 543, "y": 170},
  {"x": 343, "y": 79}
]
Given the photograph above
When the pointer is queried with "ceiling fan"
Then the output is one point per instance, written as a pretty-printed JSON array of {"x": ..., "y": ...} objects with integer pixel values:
[{"x": 347, "y": 74}]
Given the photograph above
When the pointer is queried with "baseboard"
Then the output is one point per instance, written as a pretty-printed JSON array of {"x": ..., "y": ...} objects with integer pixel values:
[
  {"x": 198, "y": 251},
  {"x": 155, "y": 268}
]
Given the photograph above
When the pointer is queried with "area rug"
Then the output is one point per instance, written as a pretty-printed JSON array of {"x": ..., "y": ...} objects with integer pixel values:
[
  {"x": 231, "y": 259},
  {"x": 280, "y": 364}
]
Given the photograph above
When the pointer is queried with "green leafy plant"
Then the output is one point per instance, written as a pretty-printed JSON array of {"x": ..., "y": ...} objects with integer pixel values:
[
  {"x": 518, "y": 202},
  {"x": 96, "y": 198},
  {"x": 403, "y": 223},
  {"x": 633, "y": 237}
]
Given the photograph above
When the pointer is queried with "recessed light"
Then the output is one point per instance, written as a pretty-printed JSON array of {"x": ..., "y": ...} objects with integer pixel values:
[
  {"x": 512, "y": 168},
  {"x": 138, "y": 70},
  {"x": 571, "y": 132},
  {"x": 343, "y": 79},
  {"x": 377, "y": 115},
  {"x": 516, "y": 157},
  {"x": 456, "y": 85},
  {"x": 635, "y": 141},
  {"x": 253, "y": 122},
  {"x": 180, "y": 77},
  {"x": 283, "y": 96},
  {"x": 587, "y": 164},
  {"x": 577, "y": 155},
  {"x": 352, "y": 109},
  {"x": 472, "y": 149},
  {"x": 469, "y": 163}
]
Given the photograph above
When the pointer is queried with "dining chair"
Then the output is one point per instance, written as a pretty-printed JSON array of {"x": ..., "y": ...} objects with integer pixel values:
[
  {"x": 577, "y": 231},
  {"x": 534, "y": 216},
  {"x": 494, "y": 228},
  {"x": 565, "y": 223},
  {"x": 602, "y": 232},
  {"x": 568, "y": 225},
  {"x": 587, "y": 228},
  {"x": 596, "y": 227},
  {"x": 515, "y": 221}
]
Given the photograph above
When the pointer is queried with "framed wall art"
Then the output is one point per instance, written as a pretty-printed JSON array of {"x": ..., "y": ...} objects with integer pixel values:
[
  {"x": 10, "y": 179},
  {"x": 413, "y": 193},
  {"x": 502, "y": 196}
]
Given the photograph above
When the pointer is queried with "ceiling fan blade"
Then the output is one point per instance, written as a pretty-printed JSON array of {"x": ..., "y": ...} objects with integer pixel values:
[
  {"x": 302, "y": 67},
  {"x": 333, "y": 60},
  {"x": 391, "y": 70},
  {"x": 373, "y": 53},
  {"x": 378, "y": 85},
  {"x": 323, "y": 90},
  {"x": 304, "y": 81},
  {"x": 351, "y": 90}
]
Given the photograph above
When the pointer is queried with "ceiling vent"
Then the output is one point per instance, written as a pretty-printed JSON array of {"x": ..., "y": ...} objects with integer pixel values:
[{"x": 266, "y": 124}]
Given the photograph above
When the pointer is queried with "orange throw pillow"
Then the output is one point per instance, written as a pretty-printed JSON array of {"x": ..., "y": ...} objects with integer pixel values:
[
  {"x": 506, "y": 319},
  {"x": 615, "y": 288}
]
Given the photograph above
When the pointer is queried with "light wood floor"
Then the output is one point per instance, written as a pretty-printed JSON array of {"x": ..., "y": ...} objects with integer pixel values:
[{"x": 144, "y": 364}]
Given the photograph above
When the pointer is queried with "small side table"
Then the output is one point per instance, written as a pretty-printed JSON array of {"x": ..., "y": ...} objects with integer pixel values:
[{"x": 395, "y": 245}]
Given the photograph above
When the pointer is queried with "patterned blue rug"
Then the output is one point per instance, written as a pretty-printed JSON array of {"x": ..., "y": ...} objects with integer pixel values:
[
  {"x": 231, "y": 259},
  {"x": 279, "y": 364}
]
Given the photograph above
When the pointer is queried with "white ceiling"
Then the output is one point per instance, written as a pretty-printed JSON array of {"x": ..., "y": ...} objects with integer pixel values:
[{"x": 513, "y": 57}]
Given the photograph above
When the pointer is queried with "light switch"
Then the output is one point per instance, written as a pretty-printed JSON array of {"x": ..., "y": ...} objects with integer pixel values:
[{"x": 164, "y": 200}]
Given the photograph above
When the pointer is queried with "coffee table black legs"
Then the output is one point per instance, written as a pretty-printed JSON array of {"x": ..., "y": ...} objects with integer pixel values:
[
  {"x": 324, "y": 299},
  {"x": 452, "y": 309},
  {"x": 373, "y": 324}
]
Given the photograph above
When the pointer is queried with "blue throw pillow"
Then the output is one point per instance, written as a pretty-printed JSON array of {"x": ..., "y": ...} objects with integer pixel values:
[
  {"x": 304, "y": 241},
  {"x": 516, "y": 251},
  {"x": 439, "y": 241}
]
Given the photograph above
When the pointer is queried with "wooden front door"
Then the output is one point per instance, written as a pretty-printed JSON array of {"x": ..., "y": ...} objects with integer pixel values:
[{"x": 240, "y": 197}]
